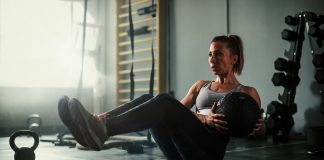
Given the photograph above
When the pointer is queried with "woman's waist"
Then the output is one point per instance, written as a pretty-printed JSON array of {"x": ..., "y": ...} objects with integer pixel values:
[{"x": 204, "y": 111}]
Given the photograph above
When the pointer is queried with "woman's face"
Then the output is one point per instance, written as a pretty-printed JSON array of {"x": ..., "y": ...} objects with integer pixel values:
[{"x": 220, "y": 59}]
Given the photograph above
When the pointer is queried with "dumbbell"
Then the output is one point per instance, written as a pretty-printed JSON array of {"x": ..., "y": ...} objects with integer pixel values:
[
  {"x": 289, "y": 35},
  {"x": 319, "y": 76},
  {"x": 280, "y": 79},
  {"x": 282, "y": 64},
  {"x": 276, "y": 108},
  {"x": 34, "y": 122}
]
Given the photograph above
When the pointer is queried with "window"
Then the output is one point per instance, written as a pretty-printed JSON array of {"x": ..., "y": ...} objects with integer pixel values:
[{"x": 40, "y": 43}]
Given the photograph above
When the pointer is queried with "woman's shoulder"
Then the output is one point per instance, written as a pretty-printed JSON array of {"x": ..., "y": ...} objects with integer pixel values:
[
  {"x": 248, "y": 89},
  {"x": 252, "y": 92},
  {"x": 199, "y": 84}
]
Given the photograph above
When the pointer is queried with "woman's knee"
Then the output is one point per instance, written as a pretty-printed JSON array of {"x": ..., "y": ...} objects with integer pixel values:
[
  {"x": 147, "y": 96},
  {"x": 168, "y": 100},
  {"x": 163, "y": 96}
]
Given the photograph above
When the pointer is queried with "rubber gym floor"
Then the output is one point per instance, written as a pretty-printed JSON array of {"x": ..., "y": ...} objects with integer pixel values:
[{"x": 237, "y": 149}]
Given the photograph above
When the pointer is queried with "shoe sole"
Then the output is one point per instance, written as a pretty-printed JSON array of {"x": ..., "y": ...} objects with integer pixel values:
[
  {"x": 65, "y": 116},
  {"x": 85, "y": 128}
]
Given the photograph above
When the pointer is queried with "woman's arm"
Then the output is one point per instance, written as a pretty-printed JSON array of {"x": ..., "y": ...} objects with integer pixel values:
[
  {"x": 212, "y": 119},
  {"x": 190, "y": 99},
  {"x": 260, "y": 126}
]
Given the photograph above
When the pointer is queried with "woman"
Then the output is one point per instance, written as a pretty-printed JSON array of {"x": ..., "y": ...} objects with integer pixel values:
[{"x": 180, "y": 133}]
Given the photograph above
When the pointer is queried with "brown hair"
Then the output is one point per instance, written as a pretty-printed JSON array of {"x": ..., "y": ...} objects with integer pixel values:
[{"x": 234, "y": 43}]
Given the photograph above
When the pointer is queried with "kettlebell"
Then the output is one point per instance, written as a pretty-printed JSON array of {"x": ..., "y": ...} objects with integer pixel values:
[{"x": 24, "y": 153}]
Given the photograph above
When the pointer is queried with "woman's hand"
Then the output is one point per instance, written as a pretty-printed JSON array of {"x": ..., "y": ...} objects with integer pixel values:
[
  {"x": 215, "y": 120},
  {"x": 259, "y": 129},
  {"x": 259, "y": 126},
  {"x": 100, "y": 116}
]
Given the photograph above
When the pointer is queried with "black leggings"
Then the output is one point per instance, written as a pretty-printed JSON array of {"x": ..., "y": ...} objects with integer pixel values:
[{"x": 176, "y": 130}]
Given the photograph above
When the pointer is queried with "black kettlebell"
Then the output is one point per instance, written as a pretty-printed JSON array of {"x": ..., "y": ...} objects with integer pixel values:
[{"x": 24, "y": 153}]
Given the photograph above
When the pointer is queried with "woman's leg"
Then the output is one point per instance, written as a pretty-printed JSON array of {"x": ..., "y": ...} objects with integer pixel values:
[
  {"x": 127, "y": 106},
  {"x": 65, "y": 114},
  {"x": 163, "y": 138},
  {"x": 209, "y": 145},
  {"x": 177, "y": 145},
  {"x": 143, "y": 116},
  {"x": 183, "y": 127},
  {"x": 189, "y": 139},
  {"x": 159, "y": 133},
  {"x": 93, "y": 129},
  {"x": 167, "y": 116}
]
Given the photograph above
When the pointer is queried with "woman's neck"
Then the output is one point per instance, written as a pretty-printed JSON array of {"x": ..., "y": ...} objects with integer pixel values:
[{"x": 228, "y": 79}]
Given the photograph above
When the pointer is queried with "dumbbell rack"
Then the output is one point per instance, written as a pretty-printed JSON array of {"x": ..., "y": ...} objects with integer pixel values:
[
  {"x": 149, "y": 28},
  {"x": 279, "y": 118}
]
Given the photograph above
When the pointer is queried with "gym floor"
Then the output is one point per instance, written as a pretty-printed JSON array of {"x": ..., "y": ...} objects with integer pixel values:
[{"x": 238, "y": 149}]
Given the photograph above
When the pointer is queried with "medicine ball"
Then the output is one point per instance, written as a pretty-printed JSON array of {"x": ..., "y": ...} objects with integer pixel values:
[{"x": 241, "y": 113}]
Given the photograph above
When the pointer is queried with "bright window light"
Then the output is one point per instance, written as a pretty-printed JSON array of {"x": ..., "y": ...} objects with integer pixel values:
[{"x": 40, "y": 44}]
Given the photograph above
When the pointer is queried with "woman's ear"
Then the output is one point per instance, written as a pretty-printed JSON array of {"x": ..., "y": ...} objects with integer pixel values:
[{"x": 234, "y": 60}]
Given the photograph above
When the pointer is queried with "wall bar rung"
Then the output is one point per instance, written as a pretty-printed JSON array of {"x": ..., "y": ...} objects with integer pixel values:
[
  {"x": 142, "y": 40},
  {"x": 136, "y": 80},
  {"x": 136, "y": 70},
  {"x": 136, "y": 61},
  {"x": 136, "y": 51},
  {"x": 124, "y": 15},
  {"x": 134, "y": 3},
  {"x": 136, "y": 22},
  {"x": 123, "y": 34}
]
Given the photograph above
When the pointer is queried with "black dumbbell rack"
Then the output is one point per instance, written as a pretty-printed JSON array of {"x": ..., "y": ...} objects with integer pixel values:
[{"x": 279, "y": 118}]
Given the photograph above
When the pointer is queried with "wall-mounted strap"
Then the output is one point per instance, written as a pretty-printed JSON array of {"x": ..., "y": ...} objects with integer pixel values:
[
  {"x": 131, "y": 34},
  {"x": 152, "y": 54}
]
